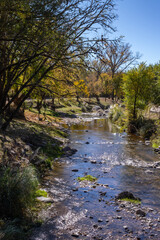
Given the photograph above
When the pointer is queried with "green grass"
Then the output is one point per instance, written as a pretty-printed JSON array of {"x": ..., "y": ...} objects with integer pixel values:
[
  {"x": 131, "y": 200},
  {"x": 41, "y": 193},
  {"x": 70, "y": 109},
  {"x": 87, "y": 178},
  {"x": 17, "y": 191}
]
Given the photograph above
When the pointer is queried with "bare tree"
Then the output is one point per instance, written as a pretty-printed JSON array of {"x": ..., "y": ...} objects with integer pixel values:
[{"x": 117, "y": 57}]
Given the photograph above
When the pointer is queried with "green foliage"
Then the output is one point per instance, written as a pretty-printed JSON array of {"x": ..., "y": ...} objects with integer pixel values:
[
  {"x": 49, "y": 153},
  {"x": 12, "y": 231},
  {"x": 87, "y": 178},
  {"x": 17, "y": 191},
  {"x": 131, "y": 200},
  {"x": 156, "y": 90},
  {"x": 40, "y": 38},
  {"x": 156, "y": 137},
  {"x": 137, "y": 87},
  {"x": 117, "y": 115},
  {"x": 84, "y": 109},
  {"x": 144, "y": 127},
  {"x": 52, "y": 151},
  {"x": 41, "y": 193}
]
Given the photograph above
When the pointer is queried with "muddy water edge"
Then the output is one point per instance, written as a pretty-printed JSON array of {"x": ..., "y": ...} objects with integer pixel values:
[{"x": 88, "y": 210}]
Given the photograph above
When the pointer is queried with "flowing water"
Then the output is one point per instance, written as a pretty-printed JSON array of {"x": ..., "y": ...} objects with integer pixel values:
[{"x": 120, "y": 162}]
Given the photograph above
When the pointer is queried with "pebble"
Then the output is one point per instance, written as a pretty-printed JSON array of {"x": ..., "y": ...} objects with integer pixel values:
[
  {"x": 125, "y": 227},
  {"x": 100, "y": 220},
  {"x": 150, "y": 209},
  {"x": 106, "y": 185},
  {"x": 141, "y": 213},
  {"x": 75, "y": 189},
  {"x": 100, "y": 228},
  {"x": 118, "y": 210},
  {"x": 95, "y": 226},
  {"x": 75, "y": 235},
  {"x": 93, "y": 161}
]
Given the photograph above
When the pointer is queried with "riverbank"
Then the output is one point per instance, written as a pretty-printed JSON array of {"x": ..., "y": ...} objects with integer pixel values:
[
  {"x": 34, "y": 142},
  {"x": 43, "y": 142},
  {"x": 116, "y": 162},
  {"x": 27, "y": 144},
  {"x": 147, "y": 124}
]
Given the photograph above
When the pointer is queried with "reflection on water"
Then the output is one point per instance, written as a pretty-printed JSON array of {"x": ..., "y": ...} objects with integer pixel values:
[
  {"x": 127, "y": 155},
  {"x": 120, "y": 162}
]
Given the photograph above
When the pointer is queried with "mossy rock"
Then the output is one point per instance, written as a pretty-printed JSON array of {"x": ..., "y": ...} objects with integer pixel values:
[
  {"x": 41, "y": 193},
  {"x": 127, "y": 196},
  {"x": 87, "y": 178},
  {"x": 131, "y": 200}
]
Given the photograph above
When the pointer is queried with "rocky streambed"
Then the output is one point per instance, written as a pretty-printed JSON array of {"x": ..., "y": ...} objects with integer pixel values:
[{"x": 90, "y": 209}]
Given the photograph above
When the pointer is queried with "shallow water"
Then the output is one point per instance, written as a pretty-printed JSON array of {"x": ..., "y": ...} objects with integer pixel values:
[
  {"x": 121, "y": 162},
  {"x": 127, "y": 155}
]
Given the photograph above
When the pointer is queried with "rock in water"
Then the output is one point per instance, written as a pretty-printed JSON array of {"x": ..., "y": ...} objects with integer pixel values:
[
  {"x": 128, "y": 195},
  {"x": 141, "y": 213},
  {"x": 45, "y": 199}
]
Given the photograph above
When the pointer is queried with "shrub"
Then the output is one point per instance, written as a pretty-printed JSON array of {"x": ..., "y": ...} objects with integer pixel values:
[
  {"x": 116, "y": 113},
  {"x": 17, "y": 191},
  {"x": 12, "y": 232},
  {"x": 144, "y": 127},
  {"x": 83, "y": 109}
]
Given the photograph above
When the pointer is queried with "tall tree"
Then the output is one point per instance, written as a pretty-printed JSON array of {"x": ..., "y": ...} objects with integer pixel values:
[
  {"x": 117, "y": 57},
  {"x": 137, "y": 87},
  {"x": 37, "y": 36},
  {"x": 156, "y": 87}
]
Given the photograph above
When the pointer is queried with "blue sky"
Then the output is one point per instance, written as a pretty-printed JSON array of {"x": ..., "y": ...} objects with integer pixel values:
[{"x": 139, "y": 22}]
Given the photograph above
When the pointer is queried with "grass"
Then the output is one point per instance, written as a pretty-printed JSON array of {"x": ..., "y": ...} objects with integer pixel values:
[
  {"x": 155, "y": 139},
  {"x": 17, "y": 191},
  {"x": 41, "y": 193},
  {"x": 131, "y": 200},
  {"x": 87, "y": 178}
]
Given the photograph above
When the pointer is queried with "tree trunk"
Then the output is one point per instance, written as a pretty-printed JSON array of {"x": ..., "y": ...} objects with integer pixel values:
[
  {"x": 53, "y": 104},
  {"x": 134, "y": 109},
  {"x": 97, "y": 98}
]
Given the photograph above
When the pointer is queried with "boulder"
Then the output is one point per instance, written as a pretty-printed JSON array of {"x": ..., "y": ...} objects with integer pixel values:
[
  {"x": 140, "y": 213},
  {"x": 96, "y": 108},
  {"x": 128, "y": 195},
  {"x": 69, "y": 151}
]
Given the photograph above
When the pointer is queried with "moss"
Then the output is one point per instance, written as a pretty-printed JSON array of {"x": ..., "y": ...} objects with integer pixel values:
[
  {"x": 41, "y": 193},
  {"x": 52, "y": 151},
  {"x": 156, "y": 137},
  {"x": 131, "y": 200},
  {"x": 87, "y": 178},
  {"x": 155, "y": 145}
]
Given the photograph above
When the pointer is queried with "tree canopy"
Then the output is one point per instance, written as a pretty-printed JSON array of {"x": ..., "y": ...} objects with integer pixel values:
[{"x": 38, "y": 36}]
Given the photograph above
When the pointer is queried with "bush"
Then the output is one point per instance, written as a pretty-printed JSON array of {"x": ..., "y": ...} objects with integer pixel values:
[
  {"x": 17, "y": 191},
  {"x": 115, "y": 113},
  {"x": 144, "y": 127},
  {"x": 12, "y": 231},
  {"x": 83, "y": 109}
]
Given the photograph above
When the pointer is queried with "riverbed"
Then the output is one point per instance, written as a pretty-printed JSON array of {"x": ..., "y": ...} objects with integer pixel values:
[{"x": 88, "y": 210}]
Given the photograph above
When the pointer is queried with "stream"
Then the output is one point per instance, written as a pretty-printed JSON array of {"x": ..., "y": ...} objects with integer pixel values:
[{"x": 88, "y": 210}]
